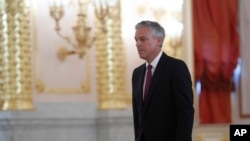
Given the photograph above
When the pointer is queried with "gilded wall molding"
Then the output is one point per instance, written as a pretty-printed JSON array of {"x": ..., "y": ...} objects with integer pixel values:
[{"x": 41, "y": 85}]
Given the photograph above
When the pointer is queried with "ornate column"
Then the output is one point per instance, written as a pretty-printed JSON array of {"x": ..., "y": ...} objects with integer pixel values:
[
  {"x": 111, "y": 72},
  {"x": 15, "y": 58}
]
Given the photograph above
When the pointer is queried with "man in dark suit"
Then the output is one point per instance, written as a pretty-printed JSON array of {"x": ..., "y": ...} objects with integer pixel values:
[{"x": 164, "y": 111}]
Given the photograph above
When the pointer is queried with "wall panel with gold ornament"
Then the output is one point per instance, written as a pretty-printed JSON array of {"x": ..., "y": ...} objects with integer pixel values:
[{"x": 62, "y": 46}]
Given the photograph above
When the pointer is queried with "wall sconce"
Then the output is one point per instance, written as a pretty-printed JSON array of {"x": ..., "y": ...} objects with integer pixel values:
[
  {"x": 174, "y": 33},
  {"x": 81, "y": 30},
  {"x": 102, "y": 10},
  {"x": 170, "y": 13}
]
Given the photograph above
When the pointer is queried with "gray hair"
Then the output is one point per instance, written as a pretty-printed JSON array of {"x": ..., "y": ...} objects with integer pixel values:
[{"x": 156, "y": 29}]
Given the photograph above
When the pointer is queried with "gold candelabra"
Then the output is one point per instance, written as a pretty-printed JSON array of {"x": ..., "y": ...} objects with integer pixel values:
[
  {"x": 102, "y": 11},
  {"x": 170, "y": 12},
  {"x": 174, "y": 36},
  {"x": 81, "y": 30}
]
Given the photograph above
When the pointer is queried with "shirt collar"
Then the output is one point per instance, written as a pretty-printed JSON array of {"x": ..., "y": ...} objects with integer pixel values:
[{"x": 155, "y": 61}]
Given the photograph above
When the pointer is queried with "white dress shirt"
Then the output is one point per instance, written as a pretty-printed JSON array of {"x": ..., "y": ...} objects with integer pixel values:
[{"x": 153, "y": 64}]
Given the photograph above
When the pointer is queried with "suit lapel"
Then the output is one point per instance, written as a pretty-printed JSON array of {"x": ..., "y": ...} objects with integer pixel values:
[
  {"x": 140, "y": 84},
  {"x": 159, "y": 70}
]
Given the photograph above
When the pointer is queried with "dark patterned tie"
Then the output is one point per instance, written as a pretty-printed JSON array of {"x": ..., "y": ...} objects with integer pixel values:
[{"x": 148, "y": 80}]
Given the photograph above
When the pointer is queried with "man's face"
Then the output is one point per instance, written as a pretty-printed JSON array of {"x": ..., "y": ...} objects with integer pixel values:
[{"x": 147, "y": 46}]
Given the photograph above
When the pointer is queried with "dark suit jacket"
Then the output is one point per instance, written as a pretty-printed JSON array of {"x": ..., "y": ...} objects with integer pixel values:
[{"x": 168, "y": 114}]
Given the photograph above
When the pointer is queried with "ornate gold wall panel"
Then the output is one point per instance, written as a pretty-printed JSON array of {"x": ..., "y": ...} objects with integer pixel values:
[
  {"x": 111, "y": 63},
  {"x": 15, "y": 59},
  {"x": 41, "y": 86},
  {"x": 44, "y": 61}
]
